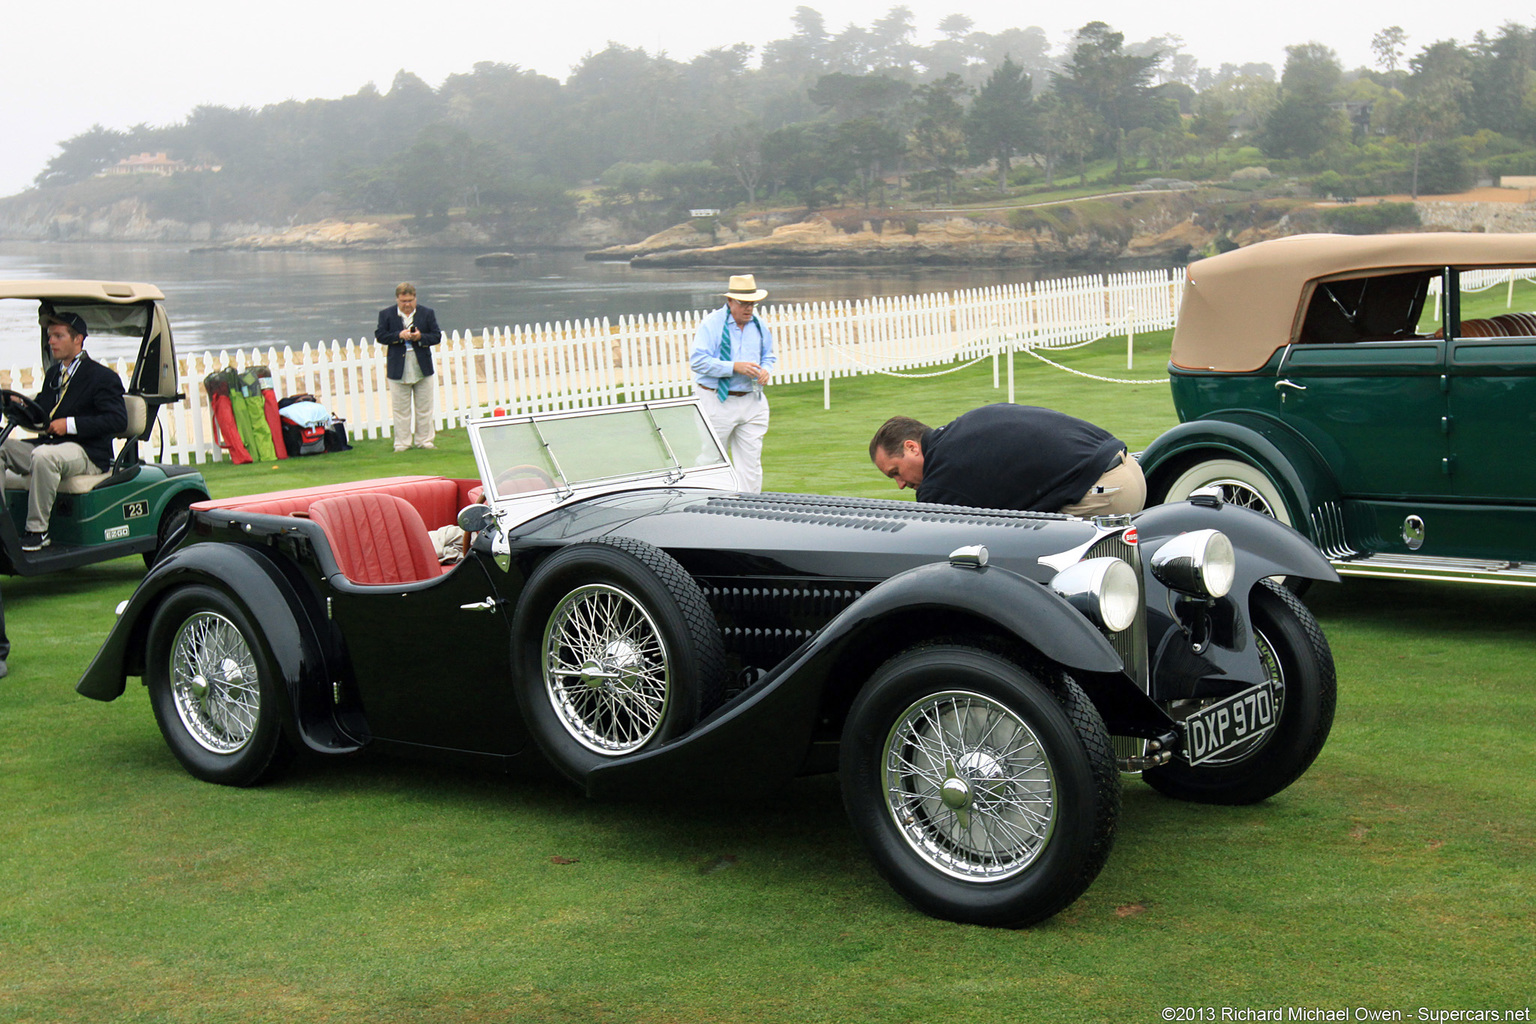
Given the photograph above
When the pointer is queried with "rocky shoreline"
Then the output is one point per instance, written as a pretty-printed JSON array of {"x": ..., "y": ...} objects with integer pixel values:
[
  {"x": 1141, "y": 228},
  {"x": 1129, "y": 227}
]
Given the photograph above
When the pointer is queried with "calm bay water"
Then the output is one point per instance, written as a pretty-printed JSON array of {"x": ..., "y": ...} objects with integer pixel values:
[{"x": 229, "y": 300}]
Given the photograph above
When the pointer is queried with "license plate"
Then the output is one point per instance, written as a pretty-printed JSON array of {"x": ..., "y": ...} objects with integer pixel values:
[{"x": 1217, "y": 728}]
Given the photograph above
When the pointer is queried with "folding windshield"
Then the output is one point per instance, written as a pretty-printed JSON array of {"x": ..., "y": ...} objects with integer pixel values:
[{"x": 664, "y": 442}]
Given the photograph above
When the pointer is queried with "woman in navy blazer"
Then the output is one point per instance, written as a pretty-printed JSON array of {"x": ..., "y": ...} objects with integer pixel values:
[{"x": 408, "y": 332}]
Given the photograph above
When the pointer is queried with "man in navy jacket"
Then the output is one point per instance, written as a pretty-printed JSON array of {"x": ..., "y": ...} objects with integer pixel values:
[
  {"x": 83, "y": 404},
  {"x": 408, "y": 332}
]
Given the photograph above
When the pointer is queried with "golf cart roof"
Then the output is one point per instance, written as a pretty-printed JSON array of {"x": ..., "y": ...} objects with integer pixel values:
[{"x": 76, "y": 291}]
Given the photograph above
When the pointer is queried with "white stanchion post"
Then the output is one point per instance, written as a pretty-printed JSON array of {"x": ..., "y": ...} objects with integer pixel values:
[
  {"x": 826, "y": 370},
  {"x": 1012, "y": 344},
  {"x": 995, "y": 330}
]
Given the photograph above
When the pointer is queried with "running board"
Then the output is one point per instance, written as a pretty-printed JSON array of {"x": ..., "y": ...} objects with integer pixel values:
[{"x": 1448, "y": 570}]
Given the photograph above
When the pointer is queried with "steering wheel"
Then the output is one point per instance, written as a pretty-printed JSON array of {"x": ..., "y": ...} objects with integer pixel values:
[
  {"x": 23, "y": 411},
  {"x": 518, "y": 478}
]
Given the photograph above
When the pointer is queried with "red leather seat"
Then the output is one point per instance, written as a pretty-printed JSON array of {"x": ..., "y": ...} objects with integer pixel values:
[{"x": 377, "y": 538}]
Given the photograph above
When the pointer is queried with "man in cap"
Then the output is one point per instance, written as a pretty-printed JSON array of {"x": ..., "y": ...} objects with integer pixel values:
[
  {"x": 83, "y": 404},
  {"x": 732, "y": 358}
]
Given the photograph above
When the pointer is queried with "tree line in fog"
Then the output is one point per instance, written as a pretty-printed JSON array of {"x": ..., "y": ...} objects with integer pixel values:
[{"x": 864, "y": 115}]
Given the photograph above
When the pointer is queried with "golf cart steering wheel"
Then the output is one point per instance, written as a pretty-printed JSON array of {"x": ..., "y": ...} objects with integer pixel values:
[{"x": 23, "y": 411}]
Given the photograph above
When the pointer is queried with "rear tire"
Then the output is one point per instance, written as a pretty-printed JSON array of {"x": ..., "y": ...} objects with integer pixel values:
[
  {"x": 214, "y": 689},
  {"x": 982, "y": 796},
  {"x": 618, "y": 651}
]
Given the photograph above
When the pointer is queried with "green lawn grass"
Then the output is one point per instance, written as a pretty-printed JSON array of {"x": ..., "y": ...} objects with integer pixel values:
[{"x": 1397, "y": 874}]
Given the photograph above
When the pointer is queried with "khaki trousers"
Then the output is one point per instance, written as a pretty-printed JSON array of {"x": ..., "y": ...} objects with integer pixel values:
[
  {"x": 49, "y": 464},
  {"x": 1120, "y": 491},
  {"x": 412, "y": 428}
]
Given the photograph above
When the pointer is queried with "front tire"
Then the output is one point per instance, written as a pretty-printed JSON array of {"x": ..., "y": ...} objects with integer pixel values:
[
  {"x": 981, "y": 795},
  {"x": 1240, "y": 484},
  {"x": 1299, "y": 665},
  {"x": 617, "y": 651},
  {"x": 214, "y": 690}
]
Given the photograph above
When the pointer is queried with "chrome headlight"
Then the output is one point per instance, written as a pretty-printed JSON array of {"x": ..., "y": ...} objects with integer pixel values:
[
  {"x": 1104, "y": 589},
  {"x": 1199, "y": 563}
]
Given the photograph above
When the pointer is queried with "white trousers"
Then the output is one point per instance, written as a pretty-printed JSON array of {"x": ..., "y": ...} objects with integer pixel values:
[
  {"x": 740, "y": 422},
  {"x": 412, "y": 429},
  {"x": 49, "y": 464}
]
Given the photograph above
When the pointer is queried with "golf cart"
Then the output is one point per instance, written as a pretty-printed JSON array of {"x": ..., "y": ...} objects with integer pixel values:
[{"x": 135, "y": 506}]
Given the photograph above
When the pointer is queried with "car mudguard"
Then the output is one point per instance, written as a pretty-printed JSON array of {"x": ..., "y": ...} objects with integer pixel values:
[
  {"x": 763, "y": 734},
  {"x": 1295, "y": 466},
  {"x": 275, "y": 603},
  {"x": 1264, "y": 546}
]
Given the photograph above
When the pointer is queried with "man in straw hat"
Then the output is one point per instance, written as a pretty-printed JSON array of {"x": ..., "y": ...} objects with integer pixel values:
[{"x": 732, "y": 358}]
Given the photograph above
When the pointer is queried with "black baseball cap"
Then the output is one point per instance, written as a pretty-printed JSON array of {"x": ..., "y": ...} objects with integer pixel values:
[{"x": 74, "y": 321}]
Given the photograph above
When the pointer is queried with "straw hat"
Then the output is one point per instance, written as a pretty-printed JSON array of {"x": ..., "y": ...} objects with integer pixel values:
[{"x": 743, "y": 288}]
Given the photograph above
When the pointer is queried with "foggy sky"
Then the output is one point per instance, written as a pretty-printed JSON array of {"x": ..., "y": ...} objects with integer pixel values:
[{"x": 75, "y": 63}]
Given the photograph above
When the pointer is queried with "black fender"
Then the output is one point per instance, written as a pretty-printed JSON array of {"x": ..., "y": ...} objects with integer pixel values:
[
  {"x": 1264, "y": 546},
  {"x": 763, "y": 735},
  {"x": 1295, "y": 466},
  {"x": 289, "y": 625}
]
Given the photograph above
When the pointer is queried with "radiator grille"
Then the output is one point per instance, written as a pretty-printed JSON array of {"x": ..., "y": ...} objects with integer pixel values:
[{"x": 1130, "y": 644}]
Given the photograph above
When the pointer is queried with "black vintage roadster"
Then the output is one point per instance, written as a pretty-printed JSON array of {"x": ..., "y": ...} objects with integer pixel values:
[{"x": 979, "y": 679}]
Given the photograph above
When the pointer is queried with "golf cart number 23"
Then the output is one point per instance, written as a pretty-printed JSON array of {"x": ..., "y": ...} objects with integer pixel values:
[{"x": 135, "y": 509}]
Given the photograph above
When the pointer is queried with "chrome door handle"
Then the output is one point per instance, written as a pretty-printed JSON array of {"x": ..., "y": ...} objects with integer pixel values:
[
  {"x": 488, "y": 605},
  {"x": 1289, "y": 384}
]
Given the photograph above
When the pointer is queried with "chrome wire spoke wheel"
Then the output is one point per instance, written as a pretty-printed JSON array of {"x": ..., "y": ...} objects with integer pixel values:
[
  {"x": 214, "y": 683},
  {"x": 606, "y": 669},
  {"x": 969, "y": 786},
  {"x": 1243, "y": 495}
]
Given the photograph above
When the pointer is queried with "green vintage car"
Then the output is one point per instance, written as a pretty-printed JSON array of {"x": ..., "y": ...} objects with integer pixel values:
[
  {"x": 1376, "y": 393},
  {"x": 136, "y": 506}
]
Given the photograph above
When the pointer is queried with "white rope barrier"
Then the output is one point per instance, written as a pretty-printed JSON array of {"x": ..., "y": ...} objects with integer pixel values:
[
  {"x": 1092, "y": 376},
  {"x": 913, "y": 376}
]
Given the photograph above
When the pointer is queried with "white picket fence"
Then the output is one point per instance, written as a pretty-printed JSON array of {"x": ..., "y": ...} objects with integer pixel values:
[{"x": 575, "y": 365}]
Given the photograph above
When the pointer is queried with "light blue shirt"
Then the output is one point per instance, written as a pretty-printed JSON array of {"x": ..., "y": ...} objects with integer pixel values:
[{"x": 750, "y": 344}]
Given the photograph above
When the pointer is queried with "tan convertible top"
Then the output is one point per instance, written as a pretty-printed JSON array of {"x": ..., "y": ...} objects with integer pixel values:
[
  {"x": 90, "y": 291},
  {"x": 1241, "y": 306}
]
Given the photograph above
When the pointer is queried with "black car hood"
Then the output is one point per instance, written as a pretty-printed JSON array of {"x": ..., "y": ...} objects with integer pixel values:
[{"x": 797, "y": 534}]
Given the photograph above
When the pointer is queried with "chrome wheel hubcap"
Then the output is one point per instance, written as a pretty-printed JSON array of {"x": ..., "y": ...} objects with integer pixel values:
[
  {"x": 214, "y": 683},
  {"x": 606, "y": 669},
  {"x": 969, "y": 786}
]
